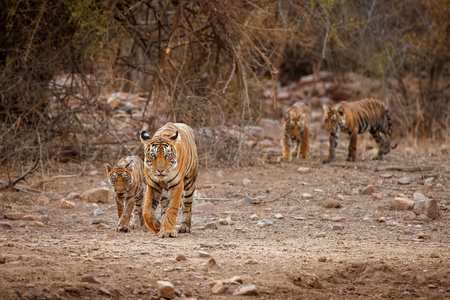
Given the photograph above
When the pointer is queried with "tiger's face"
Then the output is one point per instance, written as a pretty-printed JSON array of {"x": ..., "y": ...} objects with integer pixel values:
[
  {"x": 334, "y": 118},
  {"x": 293, "y": 123},
  {"x": 120, "y": 178},
  {"x": 160, "y": 155}
]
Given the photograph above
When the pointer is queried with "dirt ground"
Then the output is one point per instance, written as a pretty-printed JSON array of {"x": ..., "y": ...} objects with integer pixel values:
[{"x": 281, "y": 238}]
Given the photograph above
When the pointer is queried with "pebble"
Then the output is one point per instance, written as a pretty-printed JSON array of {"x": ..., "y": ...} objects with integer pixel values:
[
  {"x": 337, "y": 226},
  {"x": 104, "y": 291},
  {"x": 30, "y": 217},
  {"x": 235, "y": 280},
  {"x": 212, "y": 225},
  {"x": 218, "y": 288},
  {"x": 264, "y": 222},
  {"x": 340, "y": 197},
  {"x": 434, "y": 255},
  {"x": 95, "y": 195},
  {"x": 39, "y": 224},
  {"x": 99, "y": 221},
  {"x": 43, "y": 218},
  {"x": 303, "y": 169},
  {"x": 422, "y": 218},
  {"x": 254, "y": 217},
  {"x": 246, "y": 182},
  {"x": 5, "y": 225},
  {"x": 382, "y": 220},
  {"x": 401, "y": 203},
  {"x": 377, "y": 196},
  {"x": 66, "y": 204},
  {"x": 203, "y": 254},
  {"x": 404, "y": 180},
  {"x": 226, "y": 221},
  {"x": 321, "y": 234},
  {"x": 98, "y": 211},
  {"x": 368, "y": 190},
  {"x": 386, "y": 175},
  {"x": 248, "y": 289},
  {"x": 318, "y": 190},
  {"x": 331, "y": 203},
  {"x": 165, "y": 289},
  {"x": 322, "y": 259},
  {"x": 279, "y": 216},
  {"x": 307, "y": 196},
  {"x": 73, "y": 196},
  {"x": 204, "y": 206},
  {"x": 181, "y": 257},
  {"x": 14, "y": 215},
  {"x": 90, "y": 278},
  {"x": 299, "y": 218},
  {"x": 41, "y": 209}
]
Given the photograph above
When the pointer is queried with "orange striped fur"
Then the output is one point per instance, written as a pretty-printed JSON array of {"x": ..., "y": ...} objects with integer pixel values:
[
  {"x": 296, "y": 129},
  {"x": 129, "y": 185},
  {"x": 170, "y": 168},
  {"x": 355, "y": 118}
]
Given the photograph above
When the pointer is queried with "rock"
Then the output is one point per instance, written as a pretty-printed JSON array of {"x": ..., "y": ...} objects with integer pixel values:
[
  {"x": 303, "y": 169},
  {"x": 255, "y": 131},
  {"x": 97, "y": 212},
  {"x": 425, "y": 206},
  {"x": 386, "y": 175},
  {"x": 422, "y": 218},
  {"x": 307, "y": 196},
  {"x": 254, "y": 217},
  {"x": 5, "y": 225},
  {"x": 409, "y": 217},
  {"x": 368, "y": 190},
  {"x": 248, "y": 289},
  {"x": 66, "y": 204},
  {"x": 95, "y": 195},
  {"x": 203, "y": 254},
  {"x": 377, "y": 196},
  {"x": 218, "y": 288},
  {"x": 226, "y": 221},
  {"x": 99, "y": 221},
  {"x": 265, "y": 222},
  {"x": 272, "y": 129},
  {"x": 204, "y": 206},
  {"x": 104, "y": 291},
  {"x": 322, "y": 259},
  {"x": 340, "y": 197},
  {"x": 419, "y": 197},
  {"x": 181, "y": 257},
  {"x": 382, "y": 220},
  {"x": 90, "y": 278},
  {"x": 404, "y": 180},
  {"x": 434, "y": 255},
  {"x": 212, "y": 225},
  {"x": 165, "y": 289},
  {"x": 246, "y": 182},
  {"x": 235, "y": 280},
  {"x": 30, "y": 217},
  {"x": 401, "y": 203},
  {"x": 39, "y": 224},
  {"x": 41, "y": 209},
  {"x": 14, "y": 215},
  {"x": 279, "y": 216},
  {"x": 331, "y": 203},
  {"x": 44, "y": 219},
  {"x": 337, "y": 226}
]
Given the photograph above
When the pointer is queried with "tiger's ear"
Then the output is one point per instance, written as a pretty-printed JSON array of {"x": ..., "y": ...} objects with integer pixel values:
[
  {"x": 128, "y": 165},
  {"x": 145, "y": 136},
  {"x": 303, "y": 116},
  {"x": 341, "y": 111},
  {"x": 108, "y": 168},
  {"x": 174, "y": 137},
  {"x": 325, "y": 108}
]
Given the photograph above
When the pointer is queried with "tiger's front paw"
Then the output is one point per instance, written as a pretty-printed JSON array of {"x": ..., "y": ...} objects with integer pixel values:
[
  {"x": 351, "y": 159},
  {"x": 283, "y": 158},
  {"x": 329, "y": 160},
  {"x": 184, "y": 229},
  {"x": 167, "y": 233},
  {"x": 122, "y": 228}
]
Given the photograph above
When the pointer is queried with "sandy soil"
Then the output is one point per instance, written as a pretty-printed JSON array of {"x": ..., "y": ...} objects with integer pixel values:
[{"x": 361, "y": 250}]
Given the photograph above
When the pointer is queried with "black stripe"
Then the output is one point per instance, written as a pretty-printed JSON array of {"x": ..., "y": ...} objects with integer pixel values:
[
  {"x": 187, "y": 196},
  {"x": 171, "y": 187}
]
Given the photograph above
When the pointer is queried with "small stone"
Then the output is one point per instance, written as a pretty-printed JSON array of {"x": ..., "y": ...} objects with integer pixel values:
[
  {"x": 165, "y": 289},
  {"x": 422, "y": 218},
  {"x": 73, "y": 196},
  {"x": 104, "y": 291},
  {"x": 95, "y": 195},
  {"x": 429, "y": 181},
  {"x": 39, "y": 224},
  {"x": 321, "y": 234},
  {"x": 340, "y": 197},
  {"x": 66, "y": 204},
  {"x": 386, "y": 175},
  {"x": 5, "y": 225},
  {"x": 41, "y": 209},
  {"x": 318, "y": 190},
  {"x": 254, "y": 217},
  {"x": 404, "y": 180},
  {"x": 226, "y": 221},
  {"x": 90, "y": 278},
  {"x": 307, "y": 196},
  {"x": 203, "y": 254},
  {"x": 99, "y": 221},
  {"x": 303, "y": 169},
  {"x": 181, "y": 257},
  {"x": 377, "y": 196},
  {"x": 279, "y": 216},
  {"x": 204, "y": 206},
  {"x": 338, "y": 226},
  {"x": 212, "y": 225},
  {"x": 248, "y": 289},
  {"x": 368, "y": 190},
  {"x": 331, "y": 203},
  {"x": 382, "y": 220},
  {"x": 400, "y": 203},
  {"x": 14, "y": 215},
  {"x": 434, "y": 255},
  {"x": 235, "y": 280},
  {"x": 409, "y": 217},
  {"x": 427, "y": 207},
  {"x": 44, "y": 219},
  {"x": 419, "y": 197},
  {"x": 299, "y": 218},
  {"x": 322, "y": 259},
  {"x": 265, "y": 222},
  {"x": 246, "y": 182},
  {"x": 30, "y": 217},
  {"x": 218, "y": 288},
  {"x": 337, "y": 219},
  {"x": 98, "y": 211}
]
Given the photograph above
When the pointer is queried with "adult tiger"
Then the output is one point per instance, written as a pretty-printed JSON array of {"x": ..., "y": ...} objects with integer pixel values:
[
  {"x": 355, "y": 118},
  {"x": 129, "y": 185},
  {"x": 296, "y": 128},
  {"x": 170, "y": 168}
]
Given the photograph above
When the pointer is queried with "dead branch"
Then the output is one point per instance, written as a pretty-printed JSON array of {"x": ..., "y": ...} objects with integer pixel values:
[
  {"x": 405, "y": 169},
  {"x": 12, "y": 183}
]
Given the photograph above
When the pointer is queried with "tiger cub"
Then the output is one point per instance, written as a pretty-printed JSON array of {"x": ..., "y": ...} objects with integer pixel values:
[
  {"x": 296, "y": 128},
  {"x": 170, "y": 168},
  {"x": 129, "y": 185},
  {"x": 355, "y": 118}
]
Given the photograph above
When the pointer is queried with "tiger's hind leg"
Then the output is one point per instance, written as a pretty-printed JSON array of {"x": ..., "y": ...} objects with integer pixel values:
[
  {"x": 303, "y": 151},
  {"x": 352, "y": 146},
  {"x": 169, "y": 211},
  {"x": 137, "y": 220},
  {"x": 124, "y": 221},
  {"x": 334, "y": 138}
]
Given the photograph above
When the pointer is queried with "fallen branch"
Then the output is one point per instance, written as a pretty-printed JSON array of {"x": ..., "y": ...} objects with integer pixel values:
[
  {"x": 405, "y": 169},
  {"x": 282, "y": 196},
  {"x": 11, "y": 184}
]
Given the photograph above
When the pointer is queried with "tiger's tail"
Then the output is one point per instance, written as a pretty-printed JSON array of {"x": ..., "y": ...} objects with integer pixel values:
[{"x": 387, "y": 142}]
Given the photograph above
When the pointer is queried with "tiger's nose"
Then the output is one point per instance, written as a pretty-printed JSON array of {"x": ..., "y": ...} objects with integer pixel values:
[{"x": 160, "y": 171}]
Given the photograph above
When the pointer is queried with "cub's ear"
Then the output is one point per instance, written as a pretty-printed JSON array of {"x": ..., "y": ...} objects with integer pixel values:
[
  {"x": 108, "y": 168},
  {"x": 341, "y": 111},
  {"x": 303, "y": 116},
  {"x": 325, "y": 108},
  {"x": 174, "y": 137},
  {"x": 145, "y": 136}
]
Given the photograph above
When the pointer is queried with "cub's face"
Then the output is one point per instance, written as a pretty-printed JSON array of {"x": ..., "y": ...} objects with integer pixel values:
[
  {"x": 120, "y": 178},
  {"x": 293, "y": 123},
  {"x": 333, "y": 118},
  {"x": 160, "y": 155}
]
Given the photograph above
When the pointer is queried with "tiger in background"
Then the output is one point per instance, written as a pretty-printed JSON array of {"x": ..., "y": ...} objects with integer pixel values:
[
  {"x": 129, "y": 185},
  {"x": 170, "y": 168},
  {"x": 355, "y": 118},
  {"x": 296, "y": 129}
]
